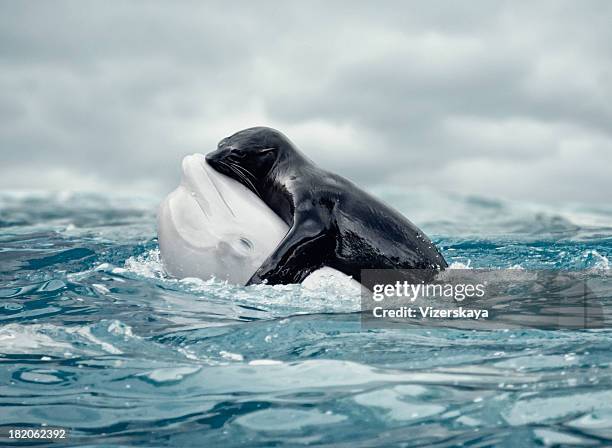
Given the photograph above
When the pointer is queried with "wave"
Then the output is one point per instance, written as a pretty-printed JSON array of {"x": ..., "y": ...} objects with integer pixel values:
[{"x": 96, "y": 337}]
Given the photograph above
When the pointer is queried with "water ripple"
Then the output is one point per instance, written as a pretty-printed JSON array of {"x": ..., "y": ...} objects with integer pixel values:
[{"x": 97, "y": 338}]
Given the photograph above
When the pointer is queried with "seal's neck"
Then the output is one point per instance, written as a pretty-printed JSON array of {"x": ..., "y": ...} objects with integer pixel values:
[{"x": 278, "y": 190}]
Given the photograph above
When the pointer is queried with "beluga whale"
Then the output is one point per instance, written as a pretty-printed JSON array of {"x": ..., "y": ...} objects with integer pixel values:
[{"x": 213, "y": 226}]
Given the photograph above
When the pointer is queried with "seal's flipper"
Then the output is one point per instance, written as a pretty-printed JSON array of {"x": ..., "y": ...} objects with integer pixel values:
[{"x": 301, "y": 252}]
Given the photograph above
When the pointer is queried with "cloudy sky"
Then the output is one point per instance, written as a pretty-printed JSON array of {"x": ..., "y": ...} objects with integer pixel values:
[{"x": 502, "y": 99}]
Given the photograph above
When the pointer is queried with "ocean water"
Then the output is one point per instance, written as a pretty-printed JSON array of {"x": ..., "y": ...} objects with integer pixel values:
[{"x": 95, "y": 337}]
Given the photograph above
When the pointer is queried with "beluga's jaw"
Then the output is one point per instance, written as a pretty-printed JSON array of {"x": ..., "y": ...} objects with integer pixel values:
[{"x": 213, "y": 226}]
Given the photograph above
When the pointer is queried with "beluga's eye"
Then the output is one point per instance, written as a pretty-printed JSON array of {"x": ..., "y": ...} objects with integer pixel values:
[{"x": 246, "y": 243}]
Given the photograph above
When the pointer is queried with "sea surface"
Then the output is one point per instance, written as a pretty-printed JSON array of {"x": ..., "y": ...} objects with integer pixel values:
[{"x": 96, "y": 338}]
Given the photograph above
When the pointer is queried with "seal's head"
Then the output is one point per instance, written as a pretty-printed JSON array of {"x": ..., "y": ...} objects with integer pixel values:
[{"x": 248, "y": 156}]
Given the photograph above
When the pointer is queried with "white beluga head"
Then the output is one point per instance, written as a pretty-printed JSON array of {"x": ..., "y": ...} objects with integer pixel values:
[{"x": 213, "y": 226}]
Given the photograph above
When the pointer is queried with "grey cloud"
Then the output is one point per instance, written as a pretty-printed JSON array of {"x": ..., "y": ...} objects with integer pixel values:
[{"x": 463, "y": 97}]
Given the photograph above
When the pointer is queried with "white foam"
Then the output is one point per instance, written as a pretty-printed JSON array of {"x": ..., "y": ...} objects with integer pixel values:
[
  {"x": 231, "y": 356},
  {"x": 460, "y": 265},
  {"x": 601, "y": 261},
  {"x": 147, "y": 265}
]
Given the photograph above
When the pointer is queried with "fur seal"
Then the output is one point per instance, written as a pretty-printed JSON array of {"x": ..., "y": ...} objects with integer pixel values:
[{"x": 331, "y": 221}]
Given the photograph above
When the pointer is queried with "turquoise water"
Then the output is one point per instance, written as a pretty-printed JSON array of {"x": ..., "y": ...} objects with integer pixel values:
[{"x": 96, "y": 338}]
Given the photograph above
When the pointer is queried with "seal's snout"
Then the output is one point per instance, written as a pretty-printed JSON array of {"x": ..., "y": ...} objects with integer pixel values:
[
  {"x": 216, "y": 160},
  {"x": 212, "y": 157}
]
